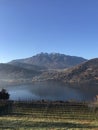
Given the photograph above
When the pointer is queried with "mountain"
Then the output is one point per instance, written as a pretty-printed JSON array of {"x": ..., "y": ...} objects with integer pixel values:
[
  {"x": 24, "y": 70},
  {"x": 14, "y": 74},
  {"x": 86, "y": 72},
  {"x": 51, "y": 61},
  {"x": 27, "y": 66}
]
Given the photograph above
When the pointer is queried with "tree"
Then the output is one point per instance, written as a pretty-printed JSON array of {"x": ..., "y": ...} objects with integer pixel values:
[{"x": 4, "y": 94}]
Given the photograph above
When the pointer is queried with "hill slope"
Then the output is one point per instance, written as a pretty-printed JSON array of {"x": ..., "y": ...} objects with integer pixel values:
[
  {"x": 51, "y": 61},
  {"x": 27, "y": 66},
  {"x": 10, "y": 73},
  {"x": 84, "y": 73}
]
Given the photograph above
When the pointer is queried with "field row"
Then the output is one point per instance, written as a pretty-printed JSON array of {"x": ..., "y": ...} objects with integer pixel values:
[{"x": 27, "y": 116}]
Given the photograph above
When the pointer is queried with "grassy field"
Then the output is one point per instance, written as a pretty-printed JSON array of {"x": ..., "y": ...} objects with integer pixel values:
[{"x": 49, "y": 116}]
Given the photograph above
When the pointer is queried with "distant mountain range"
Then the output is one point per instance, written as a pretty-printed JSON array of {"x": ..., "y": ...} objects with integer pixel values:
[
  {"x": 23, "y": 70},
  {"x": 50, "y": 61},
  {"x": 53, "y": 66}
]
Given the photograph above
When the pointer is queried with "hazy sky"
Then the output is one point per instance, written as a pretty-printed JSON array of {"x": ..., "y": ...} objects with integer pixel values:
[{"x": 28, "y": 27}]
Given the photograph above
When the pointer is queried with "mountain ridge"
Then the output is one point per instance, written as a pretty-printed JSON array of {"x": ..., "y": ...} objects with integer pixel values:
[
  {"x": 53, "y": 66},
  {"x": 51, "y": 60}
]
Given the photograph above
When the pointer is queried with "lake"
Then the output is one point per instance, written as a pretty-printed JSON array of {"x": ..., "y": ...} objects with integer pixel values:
[{"x": 51, "y": 91}]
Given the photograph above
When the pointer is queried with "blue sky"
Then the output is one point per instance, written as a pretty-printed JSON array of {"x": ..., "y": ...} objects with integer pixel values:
[{"x": 28, "y": 27}]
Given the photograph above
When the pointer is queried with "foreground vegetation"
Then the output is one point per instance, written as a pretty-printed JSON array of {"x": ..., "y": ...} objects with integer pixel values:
[{"x": 43, "y": 115}]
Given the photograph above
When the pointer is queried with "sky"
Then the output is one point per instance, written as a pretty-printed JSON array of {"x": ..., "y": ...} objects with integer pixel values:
[{"x": 29, "y": 27}]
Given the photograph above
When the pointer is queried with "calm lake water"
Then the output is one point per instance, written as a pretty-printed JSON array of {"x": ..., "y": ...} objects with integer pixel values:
[{"x": 51, "y": 91}]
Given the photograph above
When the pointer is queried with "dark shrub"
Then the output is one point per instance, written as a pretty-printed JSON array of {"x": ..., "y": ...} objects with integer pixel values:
[{"x": 4, "y": 95}]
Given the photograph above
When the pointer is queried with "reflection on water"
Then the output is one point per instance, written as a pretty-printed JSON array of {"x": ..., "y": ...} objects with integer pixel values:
[{"x": 50, "y": 91}]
